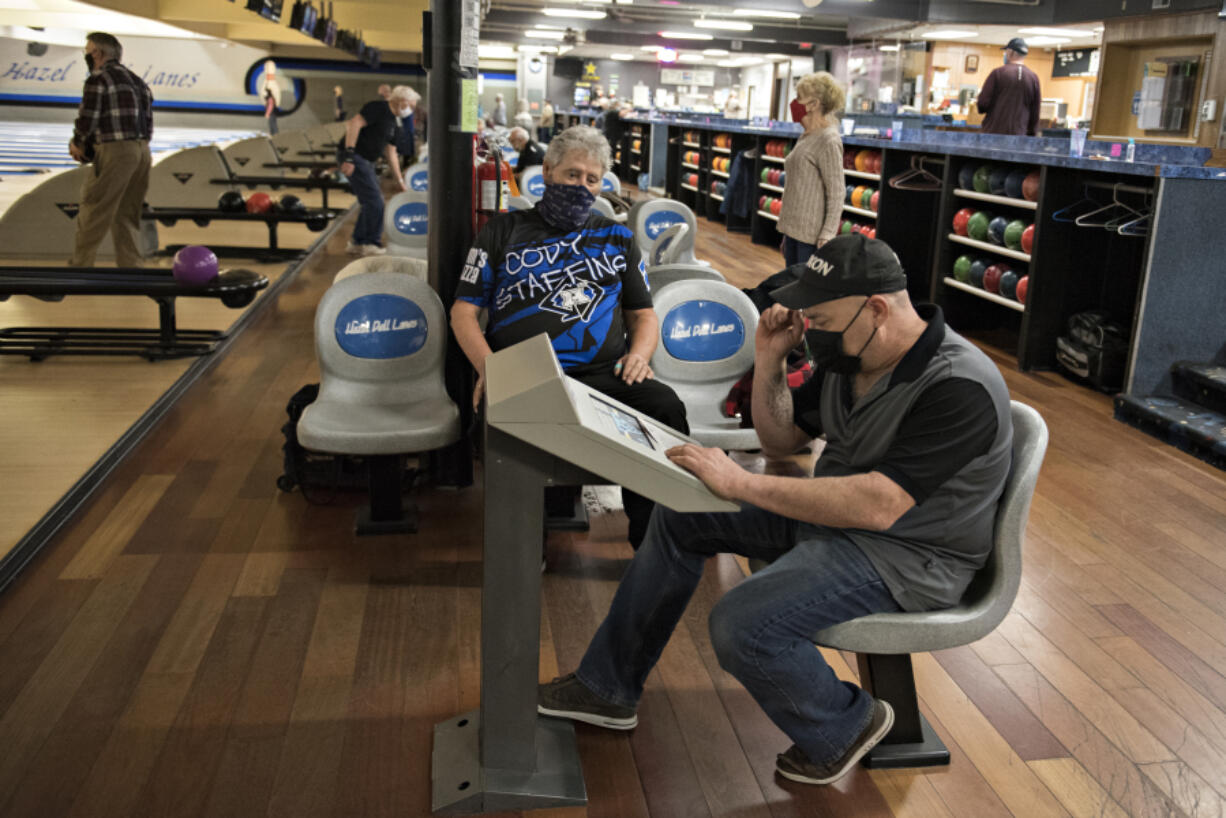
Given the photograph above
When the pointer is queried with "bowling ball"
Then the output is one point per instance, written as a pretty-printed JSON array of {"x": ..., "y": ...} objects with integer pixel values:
[
  {"x": 991, "y": 277},
  {"x": 866, "y": 198},
  {"x": 876, "y": 163},
  {"x": 1013, "y": 234},
  {"x": 966, "y": 177},
  {"x": 787, "y": 148},
  {"x": 194, "y": 266},
  {"x": 766, "y": 174},
  {"x": 762, "y": 202},
  {"x": 856, "y": 195},
  {"x": 1008, "y": 284},
  {"x": 1013, "y": 184},
  {"x": 856, "y": 228},
  {"x": 316, "y": 222},
  {"x": 996, "y": 230},
  {"x": 983, "y": 174},
  {"x": 851, "y": 189},
  {"x": 849, "y": 160},
  {"x": 783, "y": 178},
  {"x": 962, "y": 268},
  {"x": 845, "y": 227},
  {"x": 862, "y": 161},
  {"x": 979, "y": 268},
  {"x": 977, "y": 226},
  {"x": 776, "y": 206},
  {"x": 259, "y": 203},
  {"x": 961, "y": 218},
  {"x": 231, "y": 202},
  {"x": 996, "y": 181},
  {"x": 1023, "y": 284},
  {"x": 873, "y": 200},
  {"x": 871, "y": 232},
  {"x": 1030, "y": 186},
  {"x": 1027, "y": 238},
  {"x": 290, "y": 203}
]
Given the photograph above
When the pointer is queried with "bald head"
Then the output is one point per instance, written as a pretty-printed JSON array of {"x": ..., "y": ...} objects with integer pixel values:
[{"x": 518, "y": 138}]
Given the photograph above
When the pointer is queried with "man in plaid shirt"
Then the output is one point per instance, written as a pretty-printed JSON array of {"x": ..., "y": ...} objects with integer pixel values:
[{"x": 112, "y": 130}]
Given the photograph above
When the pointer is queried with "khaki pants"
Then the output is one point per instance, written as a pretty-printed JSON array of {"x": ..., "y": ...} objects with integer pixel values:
[{"x": 111, "y": 199}]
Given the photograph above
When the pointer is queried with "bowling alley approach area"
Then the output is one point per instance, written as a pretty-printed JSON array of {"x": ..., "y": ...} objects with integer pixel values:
[{"x": 610, "y": 409}]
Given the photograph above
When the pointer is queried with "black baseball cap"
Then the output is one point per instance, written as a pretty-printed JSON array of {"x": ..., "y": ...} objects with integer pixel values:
[
  {"x": 847, "y": 265},
  {"x": 1018, "y": 45}
]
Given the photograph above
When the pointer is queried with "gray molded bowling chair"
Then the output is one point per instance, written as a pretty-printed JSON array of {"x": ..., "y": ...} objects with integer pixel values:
[
  {"x": 415, "y": 267},
  {"x": 666, "y": 249},
  {"x": 665, "y": 274},
  {"x": 380, "y": 338},
  {"x": 520, "y": 203},
  {"x": 417, "y": 177},
  {"x": 883, "y": 643},
  {"x": 611, "y": 183},
  {"x": 406, "y": 222},
  {"x": 706, "y": 345},
  {"x": 532, "y": 183},
  {"x": 647, "y": 220},
  {"x": 604, "y": 207}
]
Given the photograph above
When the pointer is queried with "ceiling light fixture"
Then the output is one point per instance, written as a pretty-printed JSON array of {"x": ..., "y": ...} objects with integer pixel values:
[
  {"x": 621, "y": 56},
  {"x": 1056, "y": 32},
  {"x": 715, "y": 52},
  {"x": 685, "y": 35},
  {"x": 774, "y": 15},
  {"x": 586, "y": 14},
  {"x": 887, "y": 48},
  {"x": 1045, "y": 41},
  {"x": 691, "y": 58},
  {"x": 544, "y": 35},
  {"x": 724, "y": 25},
  {"x": 949, "y": 34}
]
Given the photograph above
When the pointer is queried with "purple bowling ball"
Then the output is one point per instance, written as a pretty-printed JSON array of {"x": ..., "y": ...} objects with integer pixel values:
[{"x": 195, "y": 265}]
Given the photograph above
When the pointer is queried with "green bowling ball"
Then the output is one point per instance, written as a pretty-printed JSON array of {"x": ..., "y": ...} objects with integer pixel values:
[
  {"x": 962, "y": 268},
  {"x": 977, "y": 227},
  {"x": 765, "y": 172},
  {"x": 1013, "y": 234},
  {"x": 845, "y": 227},
  {"x": 866, "y": 198},
  {"x": 983, "y": 179}
]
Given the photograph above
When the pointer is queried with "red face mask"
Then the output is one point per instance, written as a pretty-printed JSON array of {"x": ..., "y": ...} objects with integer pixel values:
[{"x": 799, "y": 109}]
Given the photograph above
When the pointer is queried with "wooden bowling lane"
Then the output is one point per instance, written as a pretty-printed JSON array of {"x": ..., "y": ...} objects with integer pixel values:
[{"x": 64, "y": 413}]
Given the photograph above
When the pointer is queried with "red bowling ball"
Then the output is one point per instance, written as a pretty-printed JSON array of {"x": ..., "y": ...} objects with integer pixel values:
[
  {"x": 991, "y": 277},
  {"x": 1028, "y": 238},
  {"x": 1023, "y": 284},
  {"x": 961, "y": 220}
]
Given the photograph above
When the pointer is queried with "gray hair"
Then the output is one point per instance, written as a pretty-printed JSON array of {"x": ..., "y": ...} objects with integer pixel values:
[
  {"x": 404, "y": 93},
  {"x": 581, "y": 138},
  {"x": 517, "y": 132}
]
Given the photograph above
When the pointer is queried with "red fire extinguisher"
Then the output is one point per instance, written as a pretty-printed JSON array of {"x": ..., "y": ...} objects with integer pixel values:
[{"x": 493, "y": 184}]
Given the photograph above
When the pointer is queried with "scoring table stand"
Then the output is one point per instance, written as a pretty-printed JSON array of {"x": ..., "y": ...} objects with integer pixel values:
[{"x": 541, "y": 425}]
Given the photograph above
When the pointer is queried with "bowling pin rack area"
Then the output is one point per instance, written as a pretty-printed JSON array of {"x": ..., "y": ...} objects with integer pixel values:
[
  {"x": 1085, "y": 249},
  {"x": 42, "y": 147}
]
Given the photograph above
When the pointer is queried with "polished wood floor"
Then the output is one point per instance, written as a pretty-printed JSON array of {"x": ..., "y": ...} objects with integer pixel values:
[
  {"x": 199, "y": 644},
  {"x": 62, "y": 414}
]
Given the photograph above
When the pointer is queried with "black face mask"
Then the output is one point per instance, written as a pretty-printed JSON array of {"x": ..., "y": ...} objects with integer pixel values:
[
  {"x": 89, "y": 62},
  {"x": 826, "y": 348}
]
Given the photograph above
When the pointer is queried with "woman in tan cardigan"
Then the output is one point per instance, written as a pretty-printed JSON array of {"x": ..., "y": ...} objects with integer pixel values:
[{"x": 813, "y": 189}]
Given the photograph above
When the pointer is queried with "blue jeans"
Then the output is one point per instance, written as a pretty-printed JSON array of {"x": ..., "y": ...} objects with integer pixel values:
[
  {"x": 365, "y": 184},
  {"x": 761, "y": 630},
  {"x": 796, "y": 252}
]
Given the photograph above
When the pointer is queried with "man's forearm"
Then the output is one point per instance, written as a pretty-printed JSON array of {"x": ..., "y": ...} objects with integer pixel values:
[
  {"x": 871, "y": 502},
  {"x": 87, "y": 116},
  {"x": 643, "y": 331},
  {"x": 772, "y": 408},
  {"x": 468, "y": 335}
]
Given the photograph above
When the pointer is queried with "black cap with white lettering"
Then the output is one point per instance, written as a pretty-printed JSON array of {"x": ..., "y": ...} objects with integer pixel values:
[{"x": 847, "y": 265}]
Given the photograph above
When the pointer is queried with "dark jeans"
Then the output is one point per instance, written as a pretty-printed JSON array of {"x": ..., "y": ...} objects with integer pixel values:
[
  {"x": 796, "y": 252},
  {"x": 543, "y": 135},
  {"x": 653, "y": 399},
  {"x": 761, "y": 631},
  {"x": 365, "y": 184}
]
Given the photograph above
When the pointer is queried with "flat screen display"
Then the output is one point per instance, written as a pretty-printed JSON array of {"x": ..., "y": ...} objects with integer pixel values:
[
  {"x": 583, "y": 96},
  {"x": 621, "y": 423}
]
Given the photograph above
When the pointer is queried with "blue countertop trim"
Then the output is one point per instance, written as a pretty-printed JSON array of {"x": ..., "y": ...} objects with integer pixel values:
[{"x": 1169, "y": 161}]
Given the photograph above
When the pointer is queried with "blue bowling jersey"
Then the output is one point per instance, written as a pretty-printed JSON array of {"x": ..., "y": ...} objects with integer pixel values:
[{"x": 534, "y": 278}]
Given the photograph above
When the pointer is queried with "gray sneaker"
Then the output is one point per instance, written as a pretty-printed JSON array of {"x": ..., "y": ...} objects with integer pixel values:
[
  {"x": 794, "y": 765},
  {"x": 568, "y": 698}
]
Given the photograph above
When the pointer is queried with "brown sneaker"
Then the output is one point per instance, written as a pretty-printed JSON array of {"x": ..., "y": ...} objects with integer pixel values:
[
  {"x": 568, "y": 698},
  {"x": 794, "y": 765}
]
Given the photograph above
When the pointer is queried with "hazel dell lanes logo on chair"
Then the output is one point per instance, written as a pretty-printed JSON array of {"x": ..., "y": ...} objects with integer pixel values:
[
  {"x": 413, "y": 219},
  {"x": 702, "y": 331},
  {"x": 657, "y": 223},
  {"x": 381, "y": 326}
]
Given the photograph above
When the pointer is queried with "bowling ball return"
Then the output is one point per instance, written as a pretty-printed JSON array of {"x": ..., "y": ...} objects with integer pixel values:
[
  {"x": 234, "y": 288},
  {"x": 316, "y": 220}
]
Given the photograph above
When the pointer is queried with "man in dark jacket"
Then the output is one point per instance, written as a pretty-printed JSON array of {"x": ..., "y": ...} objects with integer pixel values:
[{"x": 1010, "y": 96}]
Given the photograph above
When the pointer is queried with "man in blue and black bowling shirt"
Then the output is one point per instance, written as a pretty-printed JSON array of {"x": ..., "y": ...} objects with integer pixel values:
[{"x": 565, "y": 270}]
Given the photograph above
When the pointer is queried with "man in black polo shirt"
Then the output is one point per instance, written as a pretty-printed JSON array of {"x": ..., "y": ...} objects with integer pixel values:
[
  {"x": 372, "y": 131},
  {"x": 898, "y": 515}
]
